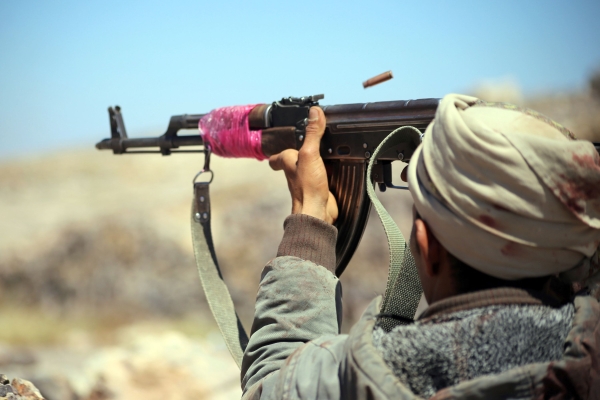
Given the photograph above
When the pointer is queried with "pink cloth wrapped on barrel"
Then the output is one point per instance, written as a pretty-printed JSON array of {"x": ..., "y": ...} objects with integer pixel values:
[{"x": 227, "y": 132}]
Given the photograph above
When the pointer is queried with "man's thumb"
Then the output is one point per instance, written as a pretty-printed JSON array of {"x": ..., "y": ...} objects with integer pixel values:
[{"x": 314, "y": 129}]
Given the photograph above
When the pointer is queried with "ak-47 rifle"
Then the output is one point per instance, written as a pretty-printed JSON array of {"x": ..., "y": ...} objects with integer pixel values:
[{"x": 352, "y": 134}]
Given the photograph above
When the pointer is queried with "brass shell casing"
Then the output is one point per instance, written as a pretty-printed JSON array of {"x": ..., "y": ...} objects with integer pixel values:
[{"x": 386, "y": 76}]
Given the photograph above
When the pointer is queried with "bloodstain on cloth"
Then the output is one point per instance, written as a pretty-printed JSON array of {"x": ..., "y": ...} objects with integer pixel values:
[
  {"x": 582, "y": 187},
  {"x": 488, "y": 220},
  {"x": 511, "y": 249}
]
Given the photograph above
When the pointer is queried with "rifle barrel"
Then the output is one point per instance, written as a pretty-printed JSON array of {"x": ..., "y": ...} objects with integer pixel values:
[{"x": 122, "y": 145}]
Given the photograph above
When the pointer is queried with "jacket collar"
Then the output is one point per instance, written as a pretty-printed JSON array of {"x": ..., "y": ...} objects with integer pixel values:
[{"x": 484, "y": 298}]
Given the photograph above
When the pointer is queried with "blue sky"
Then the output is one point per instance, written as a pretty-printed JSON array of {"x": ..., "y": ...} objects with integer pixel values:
[{"x": 62, "y": 63}]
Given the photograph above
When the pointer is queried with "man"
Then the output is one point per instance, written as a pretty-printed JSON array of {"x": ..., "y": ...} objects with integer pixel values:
[{"x": 506, "y": 230}]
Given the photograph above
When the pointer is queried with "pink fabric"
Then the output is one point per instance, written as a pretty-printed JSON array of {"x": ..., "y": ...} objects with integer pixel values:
[{"x": 228, "y": 134}]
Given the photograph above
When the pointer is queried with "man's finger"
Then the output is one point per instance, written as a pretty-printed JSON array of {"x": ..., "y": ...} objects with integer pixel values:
[
  {"x": 404, "y": 174},
  {"x": 274, "y": 162},
  {"x": 314, "y": 132},
  {"x": 286, "y": 160}
]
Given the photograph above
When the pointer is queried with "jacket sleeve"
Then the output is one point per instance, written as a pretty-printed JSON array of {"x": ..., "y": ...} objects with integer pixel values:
[{"x": 298, "y": 301}]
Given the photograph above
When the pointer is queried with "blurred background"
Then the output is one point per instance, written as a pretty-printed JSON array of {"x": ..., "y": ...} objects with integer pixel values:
[{"x": 99, "y": 292}]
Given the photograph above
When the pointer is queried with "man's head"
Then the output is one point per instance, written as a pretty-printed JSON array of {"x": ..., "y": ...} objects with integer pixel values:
[
  {"x": 443, "y": 275},
  {"x": 505, "y": 191}
]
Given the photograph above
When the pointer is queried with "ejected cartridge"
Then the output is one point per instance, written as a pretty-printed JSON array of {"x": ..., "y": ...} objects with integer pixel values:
[{"x": 386, "y": 76}]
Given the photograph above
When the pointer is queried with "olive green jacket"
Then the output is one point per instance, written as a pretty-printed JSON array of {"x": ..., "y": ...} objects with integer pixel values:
[{"x": 296, "y": 351}]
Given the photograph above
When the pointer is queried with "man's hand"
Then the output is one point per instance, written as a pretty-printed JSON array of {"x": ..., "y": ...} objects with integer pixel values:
[{"x": 305, "y": 173}]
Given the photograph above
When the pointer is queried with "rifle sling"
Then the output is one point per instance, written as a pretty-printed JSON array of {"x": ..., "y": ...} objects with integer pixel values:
[
  {"x": 403, "y": 290},
  {"x": 215, "y": 289}
]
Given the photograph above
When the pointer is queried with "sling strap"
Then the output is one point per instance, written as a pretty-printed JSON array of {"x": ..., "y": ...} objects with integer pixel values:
[
  {"x": 215, "y": 289},
  {"x": 403, "y": 290}
]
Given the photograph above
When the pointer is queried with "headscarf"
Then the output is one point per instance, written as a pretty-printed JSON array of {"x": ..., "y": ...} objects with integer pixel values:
[{"x": 508, "y": 191}]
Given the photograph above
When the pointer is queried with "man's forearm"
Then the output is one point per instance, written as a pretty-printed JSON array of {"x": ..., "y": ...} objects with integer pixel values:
[
  {"x": 310, "y": 239},
  {"x": 299, "y": 298}
]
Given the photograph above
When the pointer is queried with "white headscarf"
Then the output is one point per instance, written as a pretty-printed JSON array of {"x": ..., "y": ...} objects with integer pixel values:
[{"x": 508, "y": 191}]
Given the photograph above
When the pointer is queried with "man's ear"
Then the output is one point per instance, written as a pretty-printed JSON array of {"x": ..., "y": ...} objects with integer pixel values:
[{"x": 429, "y": 248}]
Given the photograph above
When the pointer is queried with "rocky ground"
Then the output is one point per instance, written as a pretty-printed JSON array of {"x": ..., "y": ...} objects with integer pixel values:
[
  {"x": 99, "y": 295},
  {"x": 18, "y": 389},
  {"x": 138, "y": 365}
]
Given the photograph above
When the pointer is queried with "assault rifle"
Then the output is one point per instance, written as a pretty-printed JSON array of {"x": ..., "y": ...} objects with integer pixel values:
[{"x": 353, "y": 132}]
